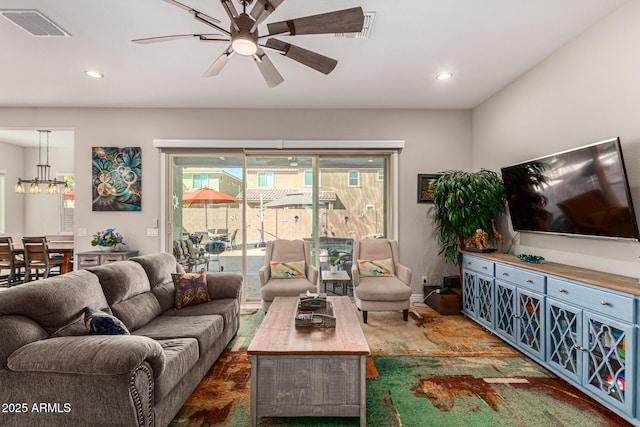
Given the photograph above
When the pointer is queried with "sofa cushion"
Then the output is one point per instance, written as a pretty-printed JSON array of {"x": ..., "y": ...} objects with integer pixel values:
[
  {"x": 382, "y": 289},
  {"x": 285, "y": 288},
  {"x": 190, "y": 289},
  {"x": 377, "y": 268},
  {"x": 159, "y": 268},
  {"x": 180, "y": 356},
  {"x": 287, "y": 269},
  {"x": 228, "y": 308},
  {"x": 206, "y": 329},
  {"x": 128, "y": 293},
  {"x": 55, "y": 302},
  {"x": 98, "y": 322}
]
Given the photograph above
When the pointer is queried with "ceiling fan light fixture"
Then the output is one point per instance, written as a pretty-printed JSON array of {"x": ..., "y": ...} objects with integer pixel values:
[{"x": 244, "y": 44}]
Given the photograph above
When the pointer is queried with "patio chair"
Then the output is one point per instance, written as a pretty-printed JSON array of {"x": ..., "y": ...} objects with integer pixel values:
[
  {"x": 380, "y": 282},
  {"x": 280, "y": 253},
  {"x": 230, "y": 239},
  {"x": 188, "y": 257}
]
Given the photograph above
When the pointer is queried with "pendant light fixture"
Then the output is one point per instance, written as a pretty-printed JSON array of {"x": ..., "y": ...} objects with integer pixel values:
[{"x": 43, "y": 173}]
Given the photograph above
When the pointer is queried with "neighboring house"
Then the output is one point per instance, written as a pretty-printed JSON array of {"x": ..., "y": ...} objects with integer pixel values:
[
  {"x": 358, "y": 189},
  {"x": 214, "y": 178}
]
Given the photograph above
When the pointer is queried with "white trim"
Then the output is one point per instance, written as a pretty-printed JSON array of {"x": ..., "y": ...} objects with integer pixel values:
[
  {"x": 280, "y": 144},
  {"x": 164, "y": 226},
  {"x": 395, "y": 158}
]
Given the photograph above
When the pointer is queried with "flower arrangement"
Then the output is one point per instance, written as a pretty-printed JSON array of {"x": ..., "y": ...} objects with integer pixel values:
[{"x": 109, "y": 237}]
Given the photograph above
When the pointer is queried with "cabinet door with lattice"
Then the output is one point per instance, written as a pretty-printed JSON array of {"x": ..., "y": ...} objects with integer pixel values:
[{"x": 609, "y": 359}]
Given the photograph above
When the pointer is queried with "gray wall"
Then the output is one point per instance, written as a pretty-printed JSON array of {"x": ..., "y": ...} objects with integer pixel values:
[
  {"x": 587, "y": 91},
  {"x": 435, "y": 140}
]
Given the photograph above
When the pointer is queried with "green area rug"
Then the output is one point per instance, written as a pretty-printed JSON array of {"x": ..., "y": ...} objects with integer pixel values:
[{"x": 430, "y": 371}]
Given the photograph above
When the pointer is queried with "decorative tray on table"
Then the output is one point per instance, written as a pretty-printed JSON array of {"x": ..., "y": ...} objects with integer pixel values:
[{"x": 315, "y": 311}]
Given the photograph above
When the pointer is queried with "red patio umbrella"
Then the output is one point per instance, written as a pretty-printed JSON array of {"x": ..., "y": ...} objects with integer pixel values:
[{"x": 206, "y": 196}]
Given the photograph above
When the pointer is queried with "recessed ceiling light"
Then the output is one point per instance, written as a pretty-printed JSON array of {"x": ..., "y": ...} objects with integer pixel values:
[
  {"x": 94, "y": 74},
  {"x": 444, "y": 76}
]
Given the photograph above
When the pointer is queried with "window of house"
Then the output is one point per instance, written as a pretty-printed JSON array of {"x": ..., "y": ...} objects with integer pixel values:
[
  {"x": 200, "y": 181},
  {"x": 354, "y": 178},
  {"x": 2, "y": 200},
  {"x": 265, "y": 179},
  {"x": 381, "y": 175},
  {"x": 308, "y": 178}
]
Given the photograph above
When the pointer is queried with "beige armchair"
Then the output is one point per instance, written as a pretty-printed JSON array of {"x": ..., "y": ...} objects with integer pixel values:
[
  {"x": 286, "y": 251},
  {"x": 372, "y": 289}
]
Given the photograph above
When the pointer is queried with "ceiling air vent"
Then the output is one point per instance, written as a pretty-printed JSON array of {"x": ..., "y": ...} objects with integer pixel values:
[
  {"x": 366, "y": 28},
  {"x": 35, "y": 23}
]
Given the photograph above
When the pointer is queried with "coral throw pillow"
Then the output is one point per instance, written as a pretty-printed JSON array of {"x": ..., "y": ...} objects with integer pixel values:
[
  {"x": 191, "y": 289},
  {"x": 98, "y": 322},
  {"x": 287, "y": 270},
  {"x": 381, "y": 267}
]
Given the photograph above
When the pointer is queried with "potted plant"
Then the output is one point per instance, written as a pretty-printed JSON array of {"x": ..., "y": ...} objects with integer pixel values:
[
  {"x": 107, "y": 240},
  {"x": 333, "y": 264},
  {"x": 465, "y": 202}
]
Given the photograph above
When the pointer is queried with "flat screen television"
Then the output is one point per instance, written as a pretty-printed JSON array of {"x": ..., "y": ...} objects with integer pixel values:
[{"x": 583, "y": 191}]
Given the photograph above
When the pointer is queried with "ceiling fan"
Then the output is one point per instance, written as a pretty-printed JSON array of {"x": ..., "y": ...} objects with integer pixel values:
[{"x": 245, "y": 40}]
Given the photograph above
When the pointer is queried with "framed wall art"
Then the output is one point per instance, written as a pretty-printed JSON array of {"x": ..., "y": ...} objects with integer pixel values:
[
  {"x": 425, "y": 189},
  {"x": 116, "y": 179}
]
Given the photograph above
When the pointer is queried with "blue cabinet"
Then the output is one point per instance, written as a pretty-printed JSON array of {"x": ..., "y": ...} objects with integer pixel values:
[
  {"x": 477, "y": 291},
  {"x": 584, "y": 333}
]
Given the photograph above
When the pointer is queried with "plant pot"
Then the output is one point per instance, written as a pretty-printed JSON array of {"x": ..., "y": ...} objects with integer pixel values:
[
  {"x": 333, "y": 268},
  {"x": 107, "y": 248}
]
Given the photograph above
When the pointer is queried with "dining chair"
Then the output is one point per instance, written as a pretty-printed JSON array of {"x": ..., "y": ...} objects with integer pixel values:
[
  {"x": 11, "y": 262},
  {"x": 37, "y": 258},
  {"x": 53, "y": 239}
]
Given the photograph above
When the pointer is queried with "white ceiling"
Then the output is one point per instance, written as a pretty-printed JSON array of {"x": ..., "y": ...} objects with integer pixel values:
[{"x": 486, "y": 44}]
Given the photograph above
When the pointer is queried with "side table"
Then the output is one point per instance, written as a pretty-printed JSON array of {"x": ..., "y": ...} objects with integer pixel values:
[
  {"x": 340, "y": 277},
  {"x": 93, "y": 258}
]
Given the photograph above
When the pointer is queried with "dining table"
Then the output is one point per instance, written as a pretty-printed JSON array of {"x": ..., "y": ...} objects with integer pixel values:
[{"x": 64, "y": 248}]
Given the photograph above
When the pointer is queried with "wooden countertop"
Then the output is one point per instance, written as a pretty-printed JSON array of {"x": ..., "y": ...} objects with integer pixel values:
[{"x": 611, "y": 281}]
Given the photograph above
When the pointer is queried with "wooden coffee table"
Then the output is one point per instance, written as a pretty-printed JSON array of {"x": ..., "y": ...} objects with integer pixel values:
[{"x": 315, "y": 372}]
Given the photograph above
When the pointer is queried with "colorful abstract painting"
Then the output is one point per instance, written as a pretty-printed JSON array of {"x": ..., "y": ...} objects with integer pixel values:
[{"x": 116, "y": 178}]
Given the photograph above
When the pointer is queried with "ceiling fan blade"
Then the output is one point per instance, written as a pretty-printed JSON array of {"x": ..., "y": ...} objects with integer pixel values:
[
  {"x": 311, "y": 59},
  {"x": 263, "y": 9},
  {"x": 217, "y": 66},
  {"x": 268, "y": 70},
  {"x": 202, "y": 17},
  {"x": 340, "y": 21},
  {"x": 231, "y": 11},
  {"x": 150, "y": 40}
]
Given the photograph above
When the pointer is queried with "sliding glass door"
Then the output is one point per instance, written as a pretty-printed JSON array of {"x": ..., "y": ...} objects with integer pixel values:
[{"x": 329, "y": 199}]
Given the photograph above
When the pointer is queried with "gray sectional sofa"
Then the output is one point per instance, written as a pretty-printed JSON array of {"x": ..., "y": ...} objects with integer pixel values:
[{"x": 53, "y": 373}]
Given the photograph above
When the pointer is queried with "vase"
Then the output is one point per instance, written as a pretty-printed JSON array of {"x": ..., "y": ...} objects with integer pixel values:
[
  {"x": 107, "y": 248},
  {"x": 333, "y": 269}
]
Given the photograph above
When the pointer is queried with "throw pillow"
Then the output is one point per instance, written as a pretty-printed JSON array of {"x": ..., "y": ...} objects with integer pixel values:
[
  {"x": 381, "y": 267},
  {"x": 98, "y": 322},
  {"x": 191, "y": 289},
  {"x": 287, "y": 270}
]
